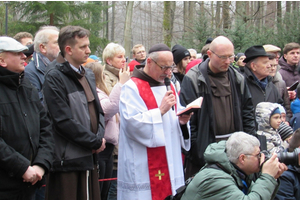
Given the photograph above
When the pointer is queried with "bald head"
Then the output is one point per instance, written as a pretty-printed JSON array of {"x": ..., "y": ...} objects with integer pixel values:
[
  {"x": 220, "y": 40},
  {"x": 221, "y": 54}
]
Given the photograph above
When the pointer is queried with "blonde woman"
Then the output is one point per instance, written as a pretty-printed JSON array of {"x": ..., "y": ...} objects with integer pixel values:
[{"x": 109, "y": 101}]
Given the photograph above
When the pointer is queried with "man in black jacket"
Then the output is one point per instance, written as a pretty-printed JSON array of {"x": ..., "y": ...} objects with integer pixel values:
[
  {"x": 257, "y": 72},
  {"x": 226, "y": 106},
  {"x": 78, "y": 119},
  {"x": 26, "y": 141}
]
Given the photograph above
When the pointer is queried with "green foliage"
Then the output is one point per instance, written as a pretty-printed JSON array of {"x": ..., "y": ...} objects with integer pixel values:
[{"x": 30, "y": 15}]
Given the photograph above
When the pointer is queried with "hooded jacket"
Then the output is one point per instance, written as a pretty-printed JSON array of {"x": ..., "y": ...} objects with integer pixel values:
[
  {"x": 68, "y": 107},
  {"x": 196, "y": 84},
  {"x": 225, "y": 182},
  {"x": 25, "y": 133},
  {"x": 263, "y": 114},
  {"x": 288, "y": 72}
]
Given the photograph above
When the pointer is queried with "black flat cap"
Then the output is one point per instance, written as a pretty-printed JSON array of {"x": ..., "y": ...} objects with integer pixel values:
[{"x": 159, "y": 47}]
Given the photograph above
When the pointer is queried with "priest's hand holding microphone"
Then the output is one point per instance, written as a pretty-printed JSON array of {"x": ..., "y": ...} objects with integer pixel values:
[{"x": 169, "y": 101}]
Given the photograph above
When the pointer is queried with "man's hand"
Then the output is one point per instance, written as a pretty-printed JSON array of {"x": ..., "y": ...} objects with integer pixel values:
[
  {"x": 39, "y": 173},
  {"x": 292, "y": 94},
  {"x": 29, "y": 175},
  {"x": 273, "y": 167},
  {"x": 101, "y": 148},
  {"x": 167, "y": 102},
  {"x": 183, "y": 119}
]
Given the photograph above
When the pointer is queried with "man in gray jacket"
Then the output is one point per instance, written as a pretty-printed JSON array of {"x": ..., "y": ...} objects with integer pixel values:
[{"x": 78, "y": 119}]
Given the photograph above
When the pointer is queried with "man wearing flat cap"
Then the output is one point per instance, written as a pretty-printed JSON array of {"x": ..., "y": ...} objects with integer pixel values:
[
  {"x": 277, "y": 80},
  {"x": 26, "y": 142},
  {"x": 151, "y": 135},
  {"x": 257, "y": 72}
]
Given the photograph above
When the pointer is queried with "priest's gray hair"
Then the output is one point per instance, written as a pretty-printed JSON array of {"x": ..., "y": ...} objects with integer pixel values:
[{"x": 240, "y": 143}]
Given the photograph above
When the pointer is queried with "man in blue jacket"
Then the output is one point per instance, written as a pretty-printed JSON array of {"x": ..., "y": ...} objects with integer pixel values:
[
  {"x": 46, "y": 49},
  {"x": 26, "y": 141}
]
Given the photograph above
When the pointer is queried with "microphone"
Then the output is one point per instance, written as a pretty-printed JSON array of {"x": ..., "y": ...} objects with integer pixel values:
[{"x": 167, "y": 83}]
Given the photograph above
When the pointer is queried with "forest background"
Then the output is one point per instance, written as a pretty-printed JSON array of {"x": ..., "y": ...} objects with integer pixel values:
[{"x": 189, "y": 23}]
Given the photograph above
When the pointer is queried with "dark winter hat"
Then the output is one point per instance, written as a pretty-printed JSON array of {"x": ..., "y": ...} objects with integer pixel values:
[
  {"x": 179, "y": 53},
  {"x": 237, "y": 57},
  {"x": 159, "y": 47},
  {"x": 285, "y": 131},
  {"x": 209, "y": 40},
  {"x": 254, "y": 52}
]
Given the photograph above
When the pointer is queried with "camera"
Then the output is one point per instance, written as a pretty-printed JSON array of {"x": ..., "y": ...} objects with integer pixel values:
[{"x": 288, "y": 158}]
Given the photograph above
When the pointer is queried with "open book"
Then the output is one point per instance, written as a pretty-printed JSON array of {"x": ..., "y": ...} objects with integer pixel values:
[{"x": 191, "y": 107}]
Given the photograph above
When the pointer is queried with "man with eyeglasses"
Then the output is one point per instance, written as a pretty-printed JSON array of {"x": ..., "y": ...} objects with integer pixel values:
[
  {"x": 277, "y": 80},
  {"x": 257, "y": 71},
  {"x": 226, "y": 106},
  {"x": 230, "y": 166},
  {"x": 139, "y": 56},
  {"x": 151, "y": 134}
]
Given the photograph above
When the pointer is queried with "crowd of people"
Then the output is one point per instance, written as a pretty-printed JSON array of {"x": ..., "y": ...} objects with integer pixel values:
[{"x": 76, "y": 126}]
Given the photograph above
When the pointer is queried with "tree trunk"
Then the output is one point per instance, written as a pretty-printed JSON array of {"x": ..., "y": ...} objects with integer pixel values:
[
  {"x": 127, "y": 29},
  {"x": 106, "y": 19},
  {"x": 169, "y": 11},
  {"x": 218, "y": 20},
  {"x": 279, "y": 14},
  {"x": 226, "y": 16},
  {"x": 112, "y": 34},
  {"x": 186, "y": 18},
  {"x": 51, "y": 23}
]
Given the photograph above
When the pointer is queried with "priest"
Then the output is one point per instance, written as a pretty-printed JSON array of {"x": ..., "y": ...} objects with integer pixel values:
[{"x": 151, "y": 134}]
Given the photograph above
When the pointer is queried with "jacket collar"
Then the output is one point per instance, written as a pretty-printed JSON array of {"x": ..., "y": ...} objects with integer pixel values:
[
  {"x": 9, "y": 78},
  {"x": 138, "y": 72}
]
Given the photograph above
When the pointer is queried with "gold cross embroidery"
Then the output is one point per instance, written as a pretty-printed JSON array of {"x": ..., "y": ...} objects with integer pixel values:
[{"x": 159, "y": 175}]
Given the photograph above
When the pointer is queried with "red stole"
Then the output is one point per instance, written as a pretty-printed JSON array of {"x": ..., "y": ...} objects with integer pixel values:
[{"x": 157, "y": 160}]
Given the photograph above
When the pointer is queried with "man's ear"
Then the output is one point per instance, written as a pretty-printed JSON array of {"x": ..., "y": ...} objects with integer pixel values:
[
  {"x": 208, "y": 53},
  {"x": 2, "y": 62},
  {"x": 284, "y": 56},
  {"x": 68, "y": 50},
  {"x": 42, "y": 48},
  {"x": 253, "y": 66}
]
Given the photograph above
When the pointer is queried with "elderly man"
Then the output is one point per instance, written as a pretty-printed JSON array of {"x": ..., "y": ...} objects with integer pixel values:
[
  {"x": 46, "y": 50},
  {"x": 228, "y": 169},
  {"x": 277, "y": 78},
  {"x": 257, "y": 72},
  {"x": 78, "y": 119},
  {"x": 226, "y": 107},
  {"x": 151, "y": 134},
  {"x": 26, "y": 142}
]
